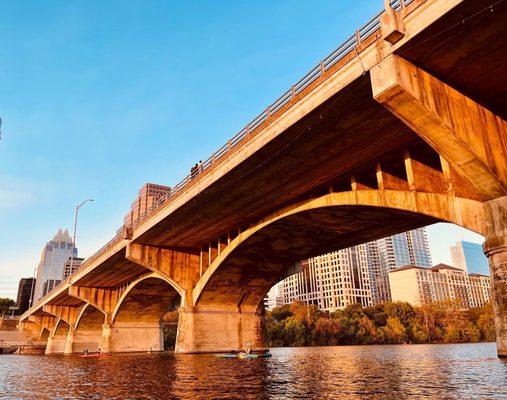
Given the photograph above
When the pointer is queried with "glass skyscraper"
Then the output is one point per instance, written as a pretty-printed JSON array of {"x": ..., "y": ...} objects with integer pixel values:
[
  {"x": 469, "y": 257},
  {"x": 50, "y": 269},
  {"x": 390, "y": 253}
]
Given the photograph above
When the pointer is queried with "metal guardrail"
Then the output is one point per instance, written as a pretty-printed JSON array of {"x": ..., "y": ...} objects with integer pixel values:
[{"x": 349, "y": 45}]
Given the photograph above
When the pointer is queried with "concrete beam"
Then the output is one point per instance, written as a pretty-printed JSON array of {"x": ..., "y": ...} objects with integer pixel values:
[
  {"x": 104, "y": 299},
  {"x": 471, "y": 138},
  {"x": 179, "y": 268},
  {"x": 65, "y": 313}
]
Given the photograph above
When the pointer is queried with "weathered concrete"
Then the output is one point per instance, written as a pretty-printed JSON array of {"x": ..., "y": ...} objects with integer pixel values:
[
  {"x": 105, "y": 337},
  {"x": 495, "y": 248},
  {"x": 132, "y": 337},
  {"x": 470, "y": 137},
  {"x": 57, "y": 340},
  {"x": 209, "y": 331},
  {"x": 88, "y": 330}
]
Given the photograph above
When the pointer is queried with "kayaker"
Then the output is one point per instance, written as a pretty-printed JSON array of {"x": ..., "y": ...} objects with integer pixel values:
[
  {"x": 85, "y": 351},
  {"x": 248, "y": 349},
  {"x": 99, "y": 351}
]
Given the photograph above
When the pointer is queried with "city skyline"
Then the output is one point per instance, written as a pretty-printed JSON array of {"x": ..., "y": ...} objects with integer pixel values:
[
  {"x": 433, "y": 237},
  {"x": 144, "y": 127}
]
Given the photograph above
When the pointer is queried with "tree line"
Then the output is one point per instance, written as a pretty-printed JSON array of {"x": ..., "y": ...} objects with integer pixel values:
[
  {"x": 298, "y": 324},
  {"x": 5, "y": 303}
]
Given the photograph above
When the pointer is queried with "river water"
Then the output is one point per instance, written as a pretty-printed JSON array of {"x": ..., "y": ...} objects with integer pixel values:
[{"x": 460, "y": 371}]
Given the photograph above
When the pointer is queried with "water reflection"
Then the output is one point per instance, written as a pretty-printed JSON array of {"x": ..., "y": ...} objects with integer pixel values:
[{"x": 351, "y": 372}]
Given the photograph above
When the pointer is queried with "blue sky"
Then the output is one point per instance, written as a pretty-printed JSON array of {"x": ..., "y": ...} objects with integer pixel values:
[{"x": 98, "y": 98}]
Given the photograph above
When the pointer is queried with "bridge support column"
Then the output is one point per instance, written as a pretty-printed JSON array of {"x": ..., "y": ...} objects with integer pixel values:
[
  {"x": 202, "y": 330},
  {"x": 134, "y": 336},
  {"x": 495, "y": 248},
  {"x": 69, "y": 344},
  {"x": 50, "y": 345},
  {"x": 105, "y": 343}
]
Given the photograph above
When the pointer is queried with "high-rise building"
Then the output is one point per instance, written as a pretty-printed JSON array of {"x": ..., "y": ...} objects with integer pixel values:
[
  {"x": 147, "y": 196},
  {"x": 274, "y": 298},
  {"x": 331, "y": 281},
  {"x": 25, "y": 288},
  {"x": 69, "y": 269},
  {"x": 418, "y": 286},
  {"x": 390, "y": 253},
  {"x": 50, "y": 269},
  {"x": 469, "y": 257}
]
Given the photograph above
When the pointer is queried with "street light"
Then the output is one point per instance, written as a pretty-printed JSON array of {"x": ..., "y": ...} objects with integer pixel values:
[
  {"x": 31, "y": 289},
  {"x": 75, "y": 227}
]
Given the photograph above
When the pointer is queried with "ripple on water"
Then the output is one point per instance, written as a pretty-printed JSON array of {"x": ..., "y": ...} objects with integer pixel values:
[{"x": 349, "y": 372}]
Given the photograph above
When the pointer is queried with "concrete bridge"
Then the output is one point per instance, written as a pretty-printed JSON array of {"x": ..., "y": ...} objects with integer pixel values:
[{"x": 402, "y": 126}]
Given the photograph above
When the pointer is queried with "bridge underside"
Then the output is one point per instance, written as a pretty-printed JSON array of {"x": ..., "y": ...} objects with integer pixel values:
[
  {"x": 245, "y": 277},
  {"x": 345, "y": 133}
]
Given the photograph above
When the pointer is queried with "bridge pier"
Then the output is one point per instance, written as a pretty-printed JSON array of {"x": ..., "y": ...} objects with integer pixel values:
[
  {"x": 202, "y": 330},
  {"x": 56, "y": 344},
  {"x": 105, "y": 339},
  {"x": 135, "y": 337},
  {"x": 69, "y": 343},
  {"x": 495, "y": 248}
]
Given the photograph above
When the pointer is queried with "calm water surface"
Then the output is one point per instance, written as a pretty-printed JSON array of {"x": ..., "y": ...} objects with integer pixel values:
[{"x": 464, "y": 371}]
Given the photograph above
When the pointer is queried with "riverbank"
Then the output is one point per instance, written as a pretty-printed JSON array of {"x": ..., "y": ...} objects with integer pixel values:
[{"x": 390, "y": 323}]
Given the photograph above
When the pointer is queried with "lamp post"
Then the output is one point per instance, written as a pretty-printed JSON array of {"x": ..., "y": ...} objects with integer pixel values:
[
  {"x": 75, "y": 228},
  {"x": 33, "y": 285}
]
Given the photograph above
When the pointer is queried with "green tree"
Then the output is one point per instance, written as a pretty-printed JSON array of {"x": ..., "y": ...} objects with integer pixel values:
[
  {"x": 5, "y": 303},
  {"x": 395, "y": 331},
  {"x": 486, "y": 324},
  {"x": 294, "y": 332},
  {"x": 299, "y": 325}
]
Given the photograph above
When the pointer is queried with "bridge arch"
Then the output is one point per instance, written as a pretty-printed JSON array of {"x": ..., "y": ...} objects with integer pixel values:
[
  {"x": 88, "y": 329},
  {"x": 61, "y": 328},
  {"x": 44, "y": 333},
  {"x": 137, "y": 319},
  {"x": 142, "y": 291},
  {"x": 316, "y": 226},
  {"x": 90, "y": 318}
]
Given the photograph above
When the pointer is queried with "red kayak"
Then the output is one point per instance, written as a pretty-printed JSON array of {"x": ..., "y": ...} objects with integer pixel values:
[{"x": 94, "y": 355}]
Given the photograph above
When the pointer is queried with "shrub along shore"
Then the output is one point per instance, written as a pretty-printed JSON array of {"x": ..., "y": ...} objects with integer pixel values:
[{"x": 390, "y": 323}]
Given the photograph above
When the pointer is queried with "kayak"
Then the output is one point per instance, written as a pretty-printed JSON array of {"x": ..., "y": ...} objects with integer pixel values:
[
  {"x": 244, "y": 355},
  {"x": 94, "y": 355}
]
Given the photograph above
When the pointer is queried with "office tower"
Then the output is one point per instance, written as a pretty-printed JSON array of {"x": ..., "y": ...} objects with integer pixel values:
[
  {"x": 418, "y": 286},
  {"x": 69, "y": 269},
  {"x": 390, "y": 253},
  {"x": 274, "y": 298},
  {"x": 148, "y": 195},
  {"x": 50, "y": 269},
  {"x": 25, "y": 288},
  {"x": 331, "y": 281},
  {"x": 469, "y": 257}
]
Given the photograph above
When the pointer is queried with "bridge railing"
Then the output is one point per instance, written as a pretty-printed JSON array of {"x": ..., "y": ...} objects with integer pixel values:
[{"x": 350, "y": 45}]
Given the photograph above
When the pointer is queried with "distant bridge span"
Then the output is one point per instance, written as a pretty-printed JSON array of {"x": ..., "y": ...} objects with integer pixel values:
[{"x": 400, "y": 127}]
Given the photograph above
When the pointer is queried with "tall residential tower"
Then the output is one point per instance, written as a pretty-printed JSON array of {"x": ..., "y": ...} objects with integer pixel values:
[{"x": 331, "y": 281}]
